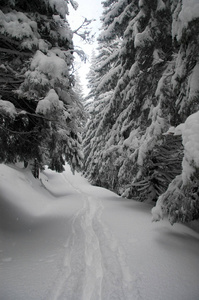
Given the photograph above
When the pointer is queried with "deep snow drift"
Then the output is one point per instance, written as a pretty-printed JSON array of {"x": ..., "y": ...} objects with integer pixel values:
[{"x": 63, "y": 239}]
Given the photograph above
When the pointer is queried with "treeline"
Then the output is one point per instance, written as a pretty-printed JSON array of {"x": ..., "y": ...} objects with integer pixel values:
[{"x": 144, "y": 83}]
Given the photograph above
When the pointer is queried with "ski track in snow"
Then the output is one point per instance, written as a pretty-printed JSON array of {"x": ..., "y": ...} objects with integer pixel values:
[{"x": 93, "y": 266}]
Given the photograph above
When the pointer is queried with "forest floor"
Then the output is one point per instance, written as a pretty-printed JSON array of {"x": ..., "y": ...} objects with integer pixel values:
[{"x": 63, "y": 239}]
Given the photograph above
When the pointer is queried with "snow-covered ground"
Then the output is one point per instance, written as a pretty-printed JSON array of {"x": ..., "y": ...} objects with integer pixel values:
[{"x": 63, "y": 239}]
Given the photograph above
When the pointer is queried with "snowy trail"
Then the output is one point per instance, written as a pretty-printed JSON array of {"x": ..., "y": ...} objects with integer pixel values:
[
  {"x": 93, "y": 267},
  {"x": 63, "y": 239}
]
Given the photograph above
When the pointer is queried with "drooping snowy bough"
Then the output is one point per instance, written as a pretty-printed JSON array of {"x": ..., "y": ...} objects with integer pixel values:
[
  {"x": 39, "y": 112},
  {"x": 181, "y": 200}
]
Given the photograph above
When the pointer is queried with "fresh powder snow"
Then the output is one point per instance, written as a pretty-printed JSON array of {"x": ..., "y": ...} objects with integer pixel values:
[{"x": 63, "y": 239}]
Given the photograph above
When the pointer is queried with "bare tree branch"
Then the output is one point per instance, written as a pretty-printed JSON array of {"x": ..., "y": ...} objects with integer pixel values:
[{"x": 83, "y": 31}]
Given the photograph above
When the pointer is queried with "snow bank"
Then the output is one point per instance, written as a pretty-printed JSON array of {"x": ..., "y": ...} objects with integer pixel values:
[
  {"x": 34, "y": 225},
  {"x": 65, "y": 239}
]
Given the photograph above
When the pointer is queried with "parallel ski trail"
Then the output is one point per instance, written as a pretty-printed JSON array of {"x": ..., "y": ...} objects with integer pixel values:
[{"x": 93, "y": 267}]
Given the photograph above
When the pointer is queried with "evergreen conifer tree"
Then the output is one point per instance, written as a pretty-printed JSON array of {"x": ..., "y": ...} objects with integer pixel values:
[
  {"x": 102, "y": 80},
  {"x": 155, "y": 89},
  {"x": 39, "y": 111}
]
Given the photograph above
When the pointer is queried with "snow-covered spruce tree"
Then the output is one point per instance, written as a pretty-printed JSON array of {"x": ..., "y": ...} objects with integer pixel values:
[
  {"x": 102, "y": 80},
  {"x": 78, "y": 89},
  {"x": 181, "y": 200},
  {"x": 124, "y": 120},
  {"x": 40, "y": 113},
  {"x": 92, "y": 77},
  {"x": 157, "y": 60}
]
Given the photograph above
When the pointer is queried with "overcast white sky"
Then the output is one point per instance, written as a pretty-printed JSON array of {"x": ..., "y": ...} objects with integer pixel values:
[{"x": 90, "y": 9}]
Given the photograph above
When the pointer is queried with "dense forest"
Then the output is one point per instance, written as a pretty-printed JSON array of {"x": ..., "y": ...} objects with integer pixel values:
[
  {"x": 141, "y": 138},
  {"x": 140, "y": 141}
]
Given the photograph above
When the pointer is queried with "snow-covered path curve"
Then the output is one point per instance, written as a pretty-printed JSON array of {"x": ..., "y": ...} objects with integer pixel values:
[
  {"x": 94, "y": 264},
  {"x": 63, "y": 239}
]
